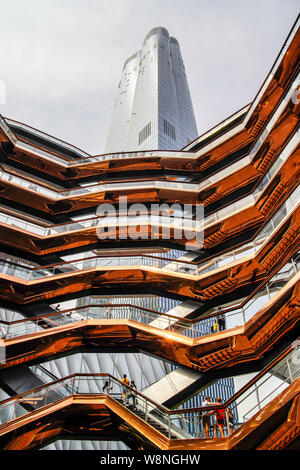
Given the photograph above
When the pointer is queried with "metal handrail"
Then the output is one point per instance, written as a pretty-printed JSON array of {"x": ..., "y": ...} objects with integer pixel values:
[
  {"x": 156, "y": 405},
  {"x": 160, "y": 314},
  {"x": 180, "y": 320},
  {"x": 147, "y": 256}
]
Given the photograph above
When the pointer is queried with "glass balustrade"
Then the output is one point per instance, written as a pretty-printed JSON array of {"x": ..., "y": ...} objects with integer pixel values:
[
  {"x": 115, "y": 186},
  {"x": 26, "y": 272},
  {"x": 272, "y": 73},
  {"x": 248, "y": 249},
  {"x": 112, "y": 186},
  {"x": 237, "y": 411},
  {"x": 209, "y": 220},
  {"x": 7, "y": 130},
  {"x": 280, "y": 160},
  {"x": 175, "y": 154},
  {"x": 40, "y": 153},
  {"x": 227, "y": 135},
  {"x": 49, "y": 138},
  {"x": 283, "y": 212},
  {"x": 175, "y": 265},
  {"x": 175, "y": 424},
  {"x": 235, "y": 315},
  {"x": 31, "y": 274},
  {"x": 238, "y": 316},
  {"x": 61, "y": 159},
  {"x": 92, "y": 222},
  {"x": 6, "y": 176},
  {"x": 153, "y": 219},
  {"x": 220, "y": 127},
  {"x": 279, "y": 110},
  {"x": 268, "y": 387}
]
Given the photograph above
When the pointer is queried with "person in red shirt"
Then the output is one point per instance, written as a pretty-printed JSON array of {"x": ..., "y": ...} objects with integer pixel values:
[{"x": 220, "y": 417}]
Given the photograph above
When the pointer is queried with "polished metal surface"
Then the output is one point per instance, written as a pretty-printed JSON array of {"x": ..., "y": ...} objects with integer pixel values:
[
  {"x": 246, "y": 174},
  {"x": 42, "y": 239},
  {"x": 91, "y": 416},
  {"x": 56, "y": 280},
  {"x": 220, "y": 350}
]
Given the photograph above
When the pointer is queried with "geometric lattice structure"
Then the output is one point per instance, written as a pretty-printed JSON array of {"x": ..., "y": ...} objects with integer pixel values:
[{"x": 243, "y": 276}]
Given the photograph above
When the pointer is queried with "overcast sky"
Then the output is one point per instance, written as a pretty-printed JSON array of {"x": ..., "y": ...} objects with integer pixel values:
[{"x": 61, "y": 60}]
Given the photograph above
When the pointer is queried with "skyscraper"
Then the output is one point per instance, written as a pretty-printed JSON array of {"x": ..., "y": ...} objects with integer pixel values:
[
  {"x": 153, "y": 108},
  {"x": 57, "y": 359}
]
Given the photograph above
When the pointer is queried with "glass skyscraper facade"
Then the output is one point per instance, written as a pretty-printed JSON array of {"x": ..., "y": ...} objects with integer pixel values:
[{"x": 153, "y": 110}]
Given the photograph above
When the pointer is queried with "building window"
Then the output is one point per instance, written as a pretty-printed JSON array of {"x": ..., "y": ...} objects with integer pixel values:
[
  {"x": 169, "y": 129},
  {"x": 144, "y": 133}
]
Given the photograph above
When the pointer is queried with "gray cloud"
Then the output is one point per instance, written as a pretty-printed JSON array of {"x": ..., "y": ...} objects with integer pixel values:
[{"x": 62, "y": 59}]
